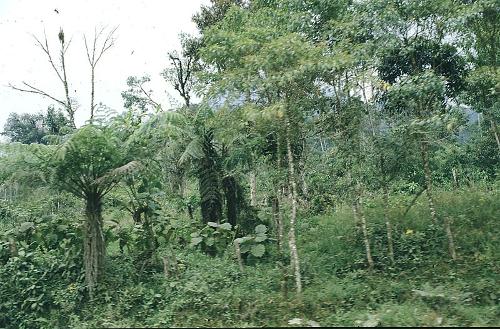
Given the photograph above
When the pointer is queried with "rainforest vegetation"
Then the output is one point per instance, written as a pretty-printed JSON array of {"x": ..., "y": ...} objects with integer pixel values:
[{"x": 333, "y": 163}]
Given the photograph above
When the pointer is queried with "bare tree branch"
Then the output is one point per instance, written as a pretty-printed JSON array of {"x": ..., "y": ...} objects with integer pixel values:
[
  {"x": 69, "y": 108},
  {"x": 181, "y": 82},
  {"x": 45, "y": 48},
  {"x": 148, "y": 95},
  {"x": 60, "y": 72},
  {"x": 35, "y": 90},
  {"x": 109, "y": 41}
]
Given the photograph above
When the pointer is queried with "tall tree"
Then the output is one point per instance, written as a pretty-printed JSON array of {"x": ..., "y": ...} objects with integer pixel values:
[
  {"x": 259, "y": 54},
  {"x": 481, "y": 36},
  {"x": 61, "y": 73},
  {"x": 89, "y": 165},
  {"x": 94, "y": 54}
]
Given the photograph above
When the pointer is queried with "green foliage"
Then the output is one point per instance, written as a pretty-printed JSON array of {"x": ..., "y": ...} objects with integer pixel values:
[
  {"x": 41, "y": 273},
  {"x": 254, "y": 245},
  {"x": 213, "y": 238},
  {"x": 209, "y": 172},
  {"x": 82, "y": 163},
  {"x": 307, "y": 108},
  {"x": 36, "y": 128}
]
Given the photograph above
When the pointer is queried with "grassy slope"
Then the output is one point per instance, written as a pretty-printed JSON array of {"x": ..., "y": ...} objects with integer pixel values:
[{"x": 423, "y": 288}]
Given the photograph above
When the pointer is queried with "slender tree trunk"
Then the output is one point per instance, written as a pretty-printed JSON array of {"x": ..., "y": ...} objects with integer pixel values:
[
  {"x": 322, "y": 145},
  {"x": 388, "y": 224},
  {"x": 177, "y": 181},
  {"x": 455, "y": 178},
  {"x": 281, "y": 244},
  {"x": 302, "y": 165},
  {"x": 449, "y": 235},
  {"x": 291, "y": 235},
  {"x": 447, "y": 225},
  {"x": 479, "y": 124},
  {"x": 190, "y": 211},
  {"x": 94, "y": 248},
  {"x": 182, "y": 185},
  {"x": 305, "y": 188},
  {"x": 280, "y": 226},
  {"x": 278, "y": 220},
  {"x": 69, "y": 107},
  {"x": 136, "y": 215},
  {"x": 12, "y": 247},
  {"x": 92, "y": 93},
  {"x": 428, "y": 179},
  {"x": 174, "y": 261},
  {"x": 253, "y": 189},
  {"x": 151, "y": 244},
  {"x": 495, "y": 133},
  {"x": 166, "y": 264},
  {"x": 360, "y": 217},
  {"x": 238, "y": 254}
]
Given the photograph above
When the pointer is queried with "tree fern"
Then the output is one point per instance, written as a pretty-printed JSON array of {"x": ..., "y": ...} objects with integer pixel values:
[{"x": 209, "y": 180}]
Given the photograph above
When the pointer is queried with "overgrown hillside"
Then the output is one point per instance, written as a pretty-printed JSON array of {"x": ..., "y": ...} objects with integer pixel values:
[
  {"x": 339, "y": 166},
  {"x": 43, "y": 285}
]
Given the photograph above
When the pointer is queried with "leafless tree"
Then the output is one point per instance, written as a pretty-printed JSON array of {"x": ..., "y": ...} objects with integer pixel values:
[
  {"x": 61, "y": 74},
  {"x": 180, "y": 74},
  {"x": 94, "y": 54}
]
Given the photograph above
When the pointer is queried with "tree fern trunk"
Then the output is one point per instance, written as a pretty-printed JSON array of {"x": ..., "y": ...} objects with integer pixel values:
[
  {"x": 229, "y": 187},
  {"x": 291, "y": 235},
  {"x": 94, "y": 247},
  {"x": 209, "y": 181}
]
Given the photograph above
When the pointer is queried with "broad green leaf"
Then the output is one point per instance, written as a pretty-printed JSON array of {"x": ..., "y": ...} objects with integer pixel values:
[
  {"x": 196, "y": 241},
  {"x": 260, "y": 238},
  {"x": 26, "y": 226},
  {"x": 243, "y": 239},
  {"x": 258, "y": 250},
  {"x": 226, "y": 226},
  {"x": 244, "y": 248},
  {"x": 259, "y": 229}
]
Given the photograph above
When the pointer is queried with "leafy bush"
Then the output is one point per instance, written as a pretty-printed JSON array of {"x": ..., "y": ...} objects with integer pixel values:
[
  {"x": 40, "y": 273},
  {"x": 213, "y": 238}
]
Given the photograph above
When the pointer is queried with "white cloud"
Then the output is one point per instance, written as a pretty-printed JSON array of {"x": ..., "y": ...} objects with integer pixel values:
[{"x": 148, "y": 29}]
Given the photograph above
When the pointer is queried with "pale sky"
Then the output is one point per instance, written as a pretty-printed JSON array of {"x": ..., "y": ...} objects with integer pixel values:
[{"x": 147, "y": 30}]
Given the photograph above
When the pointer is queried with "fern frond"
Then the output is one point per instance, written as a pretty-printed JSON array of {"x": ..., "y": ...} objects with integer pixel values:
[
  {"x": 64, "y": 148},
  {"x": 193, "y": 150},
  {"x": 118, "y": 173}
]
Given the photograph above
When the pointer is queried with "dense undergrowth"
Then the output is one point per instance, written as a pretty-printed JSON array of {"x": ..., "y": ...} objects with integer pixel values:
[
  {"x": 43, "y": 285},
  {"x": 308, "y": 131}
]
